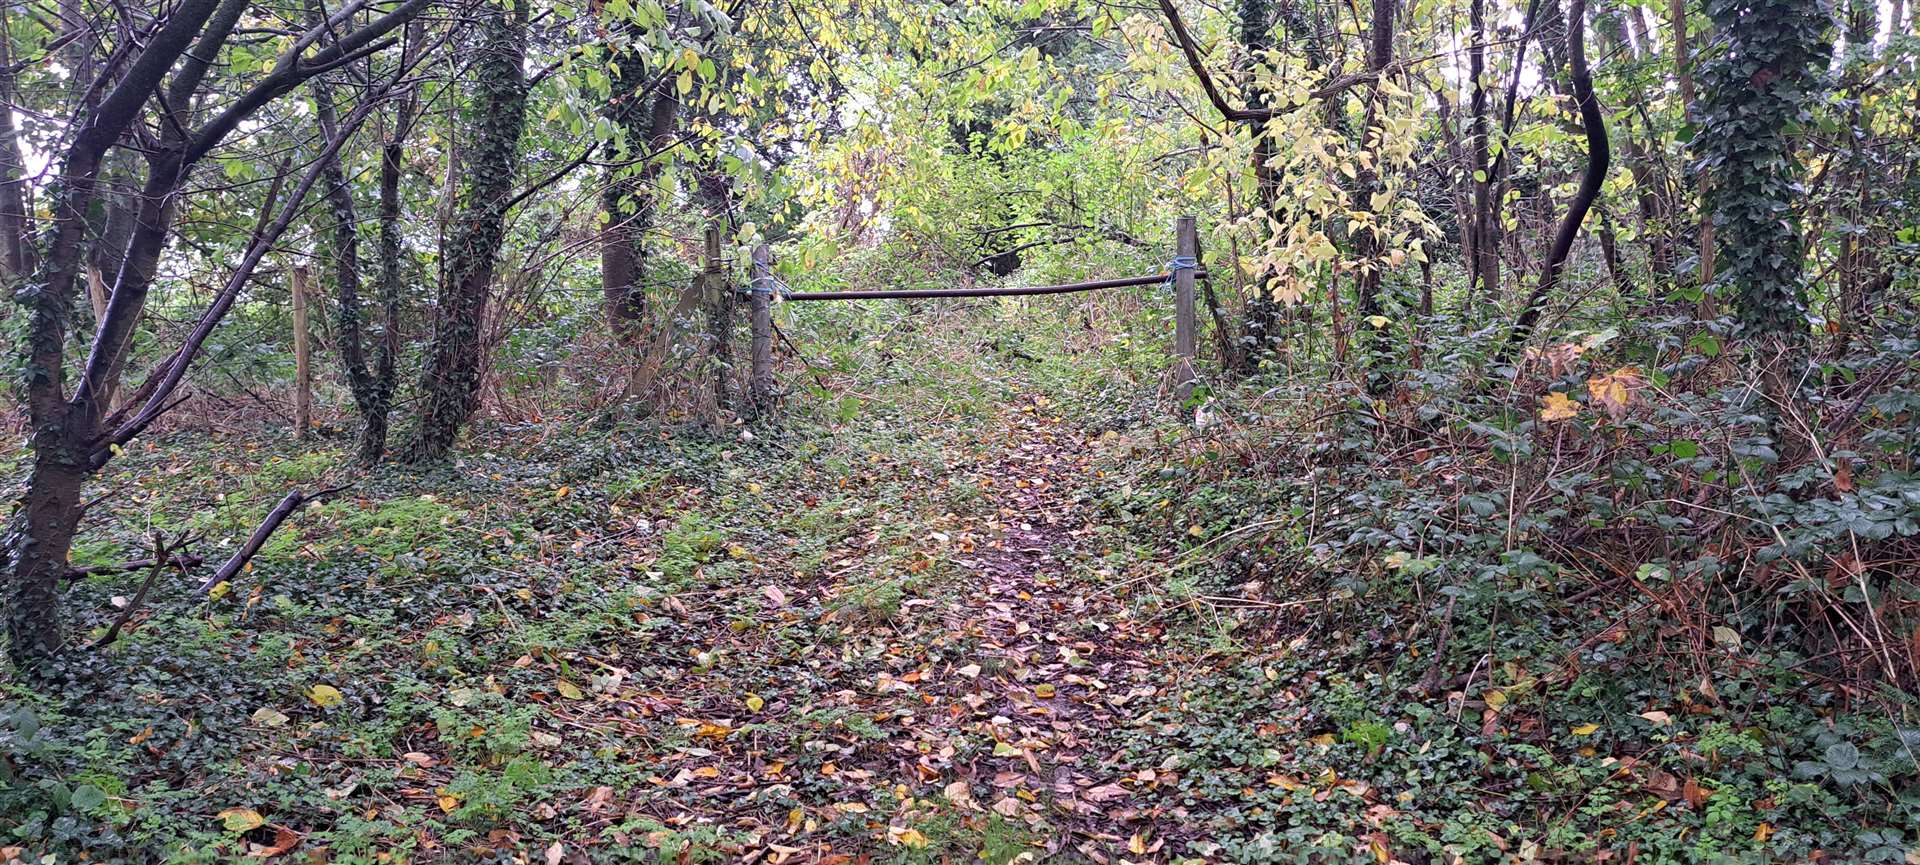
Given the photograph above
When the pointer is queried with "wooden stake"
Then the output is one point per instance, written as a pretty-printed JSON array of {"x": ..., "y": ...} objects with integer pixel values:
[
  {"x": 97, "y": 293},
  {"x": 302, "y": 357},
  {"x": 760, "y": 383},
  {"x": 1187, "y": 245},
  {"x": 721, "y": 297}
]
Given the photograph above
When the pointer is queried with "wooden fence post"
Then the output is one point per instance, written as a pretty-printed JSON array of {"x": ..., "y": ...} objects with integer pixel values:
[
  {"x": 1186, "y": 252},
  {"x": 302, "y": 357},
  {"x": 760, "y": 382},
  {"x": 722, "y": 321}
]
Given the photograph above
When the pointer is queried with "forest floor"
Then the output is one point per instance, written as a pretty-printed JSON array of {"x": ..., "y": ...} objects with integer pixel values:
[{"x": 906, "y": 636}]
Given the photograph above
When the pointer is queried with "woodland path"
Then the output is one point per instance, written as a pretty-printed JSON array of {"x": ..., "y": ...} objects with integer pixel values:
[{"x": 1002, "y": 705}]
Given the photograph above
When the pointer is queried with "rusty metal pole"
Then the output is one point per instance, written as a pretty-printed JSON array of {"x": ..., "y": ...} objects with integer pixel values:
[
  {"x": 760, "y": 381},
  {"x": 1186, "y": 254}
]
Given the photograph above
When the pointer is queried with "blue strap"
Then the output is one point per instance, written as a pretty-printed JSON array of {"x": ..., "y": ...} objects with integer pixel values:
[
  {"x": 1180, "y": 263},
  {"x": 769, "y": 284}
]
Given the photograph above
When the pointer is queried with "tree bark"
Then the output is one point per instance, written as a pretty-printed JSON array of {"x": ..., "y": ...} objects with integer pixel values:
[
  {"x": 1369, "y": 247},
  {"x": 1599, "y": 157},
  {"x": 68, "y": 441},
  {"x": 630, "y": 203},
  {"x": 450, "y": 379},
  {"x": 39, "y": 542},
  {"x": 1485, "y": 277}
]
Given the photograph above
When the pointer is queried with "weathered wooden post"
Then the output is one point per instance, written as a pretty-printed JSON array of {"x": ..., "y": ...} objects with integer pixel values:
[
  {"x": 721, "y": 296},
  {"x": 1185, "y": 262},
  {"x": 302, "y": 356},
  {"x": 760, "y": 381}
]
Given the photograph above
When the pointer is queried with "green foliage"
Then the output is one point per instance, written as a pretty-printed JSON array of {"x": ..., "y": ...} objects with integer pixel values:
[{"x": 1761, "y": 93}]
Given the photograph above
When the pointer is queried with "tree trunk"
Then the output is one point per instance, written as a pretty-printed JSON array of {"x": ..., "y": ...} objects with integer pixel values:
[
  {"x": 1485, "y": 279},
  {"x": 1599, "y": 157},
  {"x": 1263, "y": 312},
  {"x": 38, "y": 547},
  {"x": 450, "y": 379},
  {"x": 630, "y": 203},
  {"x": 371, "y": 384},
  {"x": 375, "y": 417},
  {"x": 1369, "y": 247}
]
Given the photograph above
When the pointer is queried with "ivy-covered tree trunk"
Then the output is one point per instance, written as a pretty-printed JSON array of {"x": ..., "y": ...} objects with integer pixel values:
[
  {"x": 343, "y": 266},
  {"x": 371, "y": 382},
  {"x": 376, "y": 418},
  {"x": 39, "y": 539},
  {"x": 1263, "y": 313},
  {"x": 450, "y": 379},
  {"x": 629, "y": 201},
  {"x": 1760, "y": 87}
]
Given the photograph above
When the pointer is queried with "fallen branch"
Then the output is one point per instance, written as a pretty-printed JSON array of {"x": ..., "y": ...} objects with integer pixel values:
[
  {"x": 161, "y": 559},
  {"x": 176, "y": 561},
  {"x": 294, "y": 501}
]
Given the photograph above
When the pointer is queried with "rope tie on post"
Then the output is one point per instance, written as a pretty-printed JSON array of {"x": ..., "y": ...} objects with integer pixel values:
[
  {"x": 1180, "y": 263},
  {"x": 770, "y": 285}
]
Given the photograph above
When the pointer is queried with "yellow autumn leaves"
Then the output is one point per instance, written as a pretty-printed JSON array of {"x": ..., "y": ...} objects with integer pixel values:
[{"x": 1613, "y": 392}]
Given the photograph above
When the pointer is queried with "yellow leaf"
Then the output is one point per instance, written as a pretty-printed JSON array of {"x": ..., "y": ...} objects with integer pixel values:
[
  {"x": 1558, "y": 407},
  {"x": 1043, "y": 690},
  {"x": 1495, "y": 699},
  {"x": 325, "y": 696},
  {"x": 447, "y": 802},
  {"x": 755, "y": 703},
  {"x": 568, "y": 689},
  {"x": 241, "y": 819},
  {"x": 219, "y": 590},
  {"x": 912, "y": 838},
  {"x": 1284, "y": 782},
  {"x": 1615, "y": 390},
  {"x": 1586, "y": 729},
  {"x": 1137, "y": 845}
]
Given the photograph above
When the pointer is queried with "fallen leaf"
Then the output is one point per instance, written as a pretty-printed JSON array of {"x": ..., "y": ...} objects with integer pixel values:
[
  {"x": 325, "y": 696},
  {"x": 1558, "y": 407},
  {"x": 241, "y": 819},
  {"x": 284, "y": 839}
]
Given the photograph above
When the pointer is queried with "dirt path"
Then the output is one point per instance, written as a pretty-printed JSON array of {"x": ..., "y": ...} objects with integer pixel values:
[{"x": 1061, "y": 659}]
